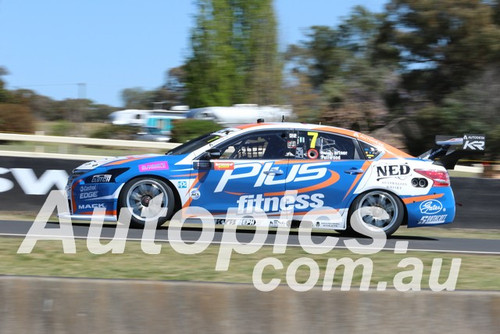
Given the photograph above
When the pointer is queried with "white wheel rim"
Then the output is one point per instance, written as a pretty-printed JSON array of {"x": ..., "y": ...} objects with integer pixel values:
[{"x": 147, "y": 199}]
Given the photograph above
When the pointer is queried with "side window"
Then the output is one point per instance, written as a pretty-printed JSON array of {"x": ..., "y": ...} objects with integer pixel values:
[
  {"x": 260, "y": 145},
  {"x": 324, "y": 146},
  {"x": 369, "y": 151}
]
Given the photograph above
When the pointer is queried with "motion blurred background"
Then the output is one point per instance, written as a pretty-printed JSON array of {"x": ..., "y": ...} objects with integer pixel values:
[{"x": 402, "y": 70}]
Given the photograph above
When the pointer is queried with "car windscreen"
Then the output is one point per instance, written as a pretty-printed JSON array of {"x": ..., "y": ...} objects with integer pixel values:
[{"x": 199, "y": 142}]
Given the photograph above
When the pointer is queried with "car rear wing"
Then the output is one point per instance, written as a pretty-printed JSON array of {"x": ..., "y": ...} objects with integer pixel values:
[{"x": 450, "y": 149}]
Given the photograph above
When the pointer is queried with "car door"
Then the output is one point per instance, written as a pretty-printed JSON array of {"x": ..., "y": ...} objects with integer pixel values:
[
  {"x": 328, "y": 166},
  {"x": 250, "y": 174}
]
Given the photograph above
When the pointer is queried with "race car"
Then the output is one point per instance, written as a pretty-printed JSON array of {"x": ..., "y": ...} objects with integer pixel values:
[{"x": 269, "y": 168}]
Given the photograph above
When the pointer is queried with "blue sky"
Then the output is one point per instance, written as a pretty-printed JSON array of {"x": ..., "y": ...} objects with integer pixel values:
[{"x": 52, "y": 45}]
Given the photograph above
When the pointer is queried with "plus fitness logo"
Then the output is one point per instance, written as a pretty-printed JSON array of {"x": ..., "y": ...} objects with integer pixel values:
[{"x": 362, "y": 249}]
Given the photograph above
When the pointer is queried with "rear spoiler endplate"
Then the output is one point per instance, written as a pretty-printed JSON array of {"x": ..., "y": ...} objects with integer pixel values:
[{"x": 449, "y": 149}]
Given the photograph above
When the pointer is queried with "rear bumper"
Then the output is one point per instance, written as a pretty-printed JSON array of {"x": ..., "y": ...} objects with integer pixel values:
[{"x": 437, "y": 208}]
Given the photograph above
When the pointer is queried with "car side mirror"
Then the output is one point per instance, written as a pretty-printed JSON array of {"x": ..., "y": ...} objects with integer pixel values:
[
  {"x": 212, "y": 153},
  {"x": 204, "y": 159}
]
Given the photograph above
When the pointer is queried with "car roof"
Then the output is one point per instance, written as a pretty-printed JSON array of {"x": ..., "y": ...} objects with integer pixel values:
[{"x": 391, "y": 151}]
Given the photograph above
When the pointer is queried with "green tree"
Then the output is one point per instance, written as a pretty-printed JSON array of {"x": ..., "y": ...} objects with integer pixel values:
[
  {"x": 441, "y": 43},
  {"x": 320, "y": 56},
  {"x": 473, "y": 109},
  {"x": 234, "y": 56},
  {"x": 264, "y": 78},
  {"x": 97, "y": 112},
  {"x": 173, "y": 92},
  {"x": 16, "y": 118},
  {"x": 137, "y": 98},
  {"x": 162, "y": 97},
  {"x": 341, "y": 66},
  {"x": 187, "y": 129},
  {"x": 42, "y": 107},
  {"x": 4, "y": 94},
  {"x": 308, "y": 104},
  {"x": 448, "y": 52}
]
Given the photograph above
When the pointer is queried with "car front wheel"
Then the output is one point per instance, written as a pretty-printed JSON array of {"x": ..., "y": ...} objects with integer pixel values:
[{"x": 147, "y": 198}]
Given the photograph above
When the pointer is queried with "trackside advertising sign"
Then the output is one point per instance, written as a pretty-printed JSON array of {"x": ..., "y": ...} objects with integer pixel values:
[{"x": 26, "y": 182}]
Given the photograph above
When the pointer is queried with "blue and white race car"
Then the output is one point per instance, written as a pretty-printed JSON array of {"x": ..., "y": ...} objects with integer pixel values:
[{"x": 253, "y": 168}]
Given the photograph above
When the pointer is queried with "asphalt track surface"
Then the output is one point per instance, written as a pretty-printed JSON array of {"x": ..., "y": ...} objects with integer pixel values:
[{"x": 192, "y": 234}]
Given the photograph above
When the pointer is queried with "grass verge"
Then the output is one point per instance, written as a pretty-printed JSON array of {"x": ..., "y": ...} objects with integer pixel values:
[{"x": 477, "y": 272}]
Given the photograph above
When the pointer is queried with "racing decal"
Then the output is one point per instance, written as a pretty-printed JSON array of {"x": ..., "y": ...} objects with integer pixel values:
[
  {"x": 126, "y": 159},
  {"x": 334, "y": 177},
  {"x": 182, "y": 184},
  {"x": 195, "y": 194},
  {"x": 431, "y": 207},
  {"x": 218, "y": 165},
  {"x": 88, "y": 209},
  {"x": 415, "y": 199},
  {"x": 101, "y": 178},
  {"x": 332, "y": 154},
  {"x": 299, "y": 153},
  {"x": 314, "y": 137},
  {"x": 399, "y": 177},
  {"x": 430, "y": 220},
  {"x": 88, "y": 187},
  {"x": 474, "y": 142},
  {"x": 312, "y": 153},
  {"x": 153, "y": 166},
  {"x": 88, "y": 191},
  {"x": 256, "y": 203},
  {"x": 394, "y": 185},
  {"x": 91, "y": 206},
  {"x": 244, "y": 221},
  {"x": 331, "y": 225},
  {"x": 84, "y": 198},
  {"x": 392, "y": 171},
  {"x": 265, "y": 174},
  {"x": 190, "y": 192}
]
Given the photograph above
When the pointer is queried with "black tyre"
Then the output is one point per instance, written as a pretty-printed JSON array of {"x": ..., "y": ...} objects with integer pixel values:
[
  {"x": 381, "y": 199},
  {"x": 147, "y": 198}
]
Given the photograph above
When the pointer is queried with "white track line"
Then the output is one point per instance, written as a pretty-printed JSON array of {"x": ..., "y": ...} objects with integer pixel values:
[{"x": 57, "y": 237}]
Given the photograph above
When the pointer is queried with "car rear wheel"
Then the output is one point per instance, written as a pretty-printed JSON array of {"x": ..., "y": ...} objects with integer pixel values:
[
  {"x": 147, "y": 198},
  {"x": 367, "y": 208}
]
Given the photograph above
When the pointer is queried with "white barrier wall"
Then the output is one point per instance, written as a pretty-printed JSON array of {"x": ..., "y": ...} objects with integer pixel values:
[{"x": 55, "y": 305}]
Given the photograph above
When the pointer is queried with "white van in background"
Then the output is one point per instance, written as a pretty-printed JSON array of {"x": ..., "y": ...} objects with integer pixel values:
[
  {"x": 242, "y": 114},
  {"x": 138, "y": 117}
]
